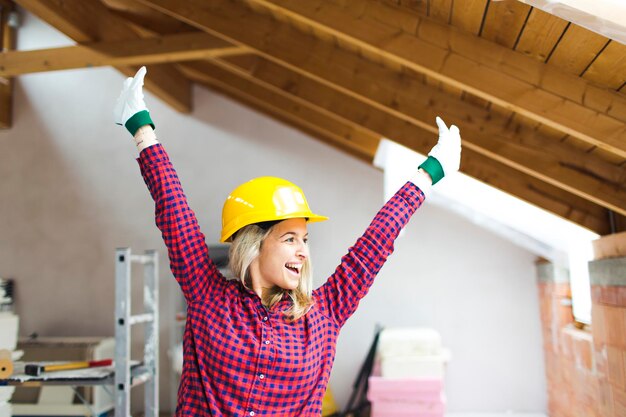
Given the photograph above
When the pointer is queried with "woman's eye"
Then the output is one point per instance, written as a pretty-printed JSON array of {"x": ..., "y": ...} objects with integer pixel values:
[
  {"x": 306, "y": 241},
  {"x": 290, "y": 240}
]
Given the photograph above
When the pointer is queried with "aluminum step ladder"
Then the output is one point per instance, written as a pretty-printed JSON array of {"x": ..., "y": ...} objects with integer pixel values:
[{"x": 148, "y": 372}]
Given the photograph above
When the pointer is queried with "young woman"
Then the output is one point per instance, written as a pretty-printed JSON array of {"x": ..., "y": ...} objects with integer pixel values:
[{"x": 264, "y": 345}]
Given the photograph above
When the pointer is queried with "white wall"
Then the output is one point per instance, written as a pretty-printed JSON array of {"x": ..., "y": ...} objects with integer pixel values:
[{"x": 71, "y": 193}]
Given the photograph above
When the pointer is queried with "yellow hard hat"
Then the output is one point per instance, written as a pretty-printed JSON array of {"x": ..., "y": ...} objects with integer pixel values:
[{"x": 264, "y": 199}]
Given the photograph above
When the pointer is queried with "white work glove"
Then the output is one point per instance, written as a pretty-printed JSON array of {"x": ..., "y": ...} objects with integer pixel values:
[
  {"x": 130, "y": 109},
  {"x": 445, "y": 157}
]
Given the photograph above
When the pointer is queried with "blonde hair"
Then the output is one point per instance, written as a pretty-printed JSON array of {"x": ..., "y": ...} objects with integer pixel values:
[{"x": 245, "y": 248}]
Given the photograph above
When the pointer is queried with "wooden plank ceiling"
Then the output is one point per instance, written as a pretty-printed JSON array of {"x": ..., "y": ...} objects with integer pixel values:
[{"x": 541, "y": 102}]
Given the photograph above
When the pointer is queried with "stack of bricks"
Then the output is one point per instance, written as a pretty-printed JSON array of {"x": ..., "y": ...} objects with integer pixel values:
[
  {"x": 556, "y": 316},
  {"x": 607, "y": 274},
  {"x": 586, "y": 371}
]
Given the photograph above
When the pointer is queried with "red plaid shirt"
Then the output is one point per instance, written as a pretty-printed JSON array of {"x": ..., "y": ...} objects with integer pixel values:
[{"x": 239, "y": 358}]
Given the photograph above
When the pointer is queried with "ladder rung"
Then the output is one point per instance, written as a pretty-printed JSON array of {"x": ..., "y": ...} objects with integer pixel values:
[
  {"x": 142, "y": 259},
  {"x": 141, "y": 318},
  {"x": 141, "y": 378}
]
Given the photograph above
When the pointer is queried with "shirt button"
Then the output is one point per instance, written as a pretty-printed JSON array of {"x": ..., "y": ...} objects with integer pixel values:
[
  {"x": 252, "y": 413},
  {"x": 267, "y": 342},
  {"x": 264, "y": 318},
  {"x": 261, "y": 376}
]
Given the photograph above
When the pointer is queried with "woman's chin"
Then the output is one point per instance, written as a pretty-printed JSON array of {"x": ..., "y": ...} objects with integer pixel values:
[{"x": 291, "y": 283}]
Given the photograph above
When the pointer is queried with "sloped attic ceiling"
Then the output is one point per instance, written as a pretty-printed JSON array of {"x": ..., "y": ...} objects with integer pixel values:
[{"x": 541, "y": 102}]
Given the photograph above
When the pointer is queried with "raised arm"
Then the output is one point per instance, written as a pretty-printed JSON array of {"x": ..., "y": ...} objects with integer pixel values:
[
  {"x": 339, "y": 297},
  {"x": 187, "y": 250}
]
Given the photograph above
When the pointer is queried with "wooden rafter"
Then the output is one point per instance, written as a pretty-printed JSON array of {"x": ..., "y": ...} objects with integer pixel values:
[
  {"x": 350, "y": 72},
  {"x": 326, "y": 99},
  {"x": 146, "y": 18},
  {"x": 430, "y": 103},
  {"x": 483, "y": 68},
  {"x": 353, "y": 140},
  {"x": 391, "y": 92},
  {"x": 7, "y": 44},
  {"x": 171, "y": 48},
  {"x": 246, "y": 71},
  {"x": 90, "y": 21}
]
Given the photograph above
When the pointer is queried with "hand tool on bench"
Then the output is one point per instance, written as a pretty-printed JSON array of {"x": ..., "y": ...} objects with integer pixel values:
[{"x": 36, "y": 370}]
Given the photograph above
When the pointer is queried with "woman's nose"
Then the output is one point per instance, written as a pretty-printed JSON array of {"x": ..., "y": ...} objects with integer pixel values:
[{"x": 303, "y": 251}]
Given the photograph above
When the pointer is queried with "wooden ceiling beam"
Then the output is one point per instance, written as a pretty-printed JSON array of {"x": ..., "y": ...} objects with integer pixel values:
[
  {"x": 302, "y": 89},
  {"x": 76, "y": 21},
  {"x": 297, "y": 91},
  {"x": 90, "y": 21},
  {"x": 351, "y": 139},
  {"x": 345, "y": 107},
  {"x": 490, "y": 71},
  {"x": 543, "y": 195},
  {"x": 147, "y": 18},
  {"x": 165, "y": 49},
  {"x": 381, "y": 88},
  {"x": 7, "y": 44},
  {"x": 424, "y": 104}
]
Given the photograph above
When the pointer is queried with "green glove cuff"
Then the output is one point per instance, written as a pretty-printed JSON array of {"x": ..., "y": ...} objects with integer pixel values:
[
  {"x": 434, "y": 169},
  {"x": 137, "y": 120}
]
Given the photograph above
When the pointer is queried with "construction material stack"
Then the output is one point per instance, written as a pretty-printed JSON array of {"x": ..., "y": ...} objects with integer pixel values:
[
  {"x": 408, "y": 379},
  {"x": 8, "y": 341}
]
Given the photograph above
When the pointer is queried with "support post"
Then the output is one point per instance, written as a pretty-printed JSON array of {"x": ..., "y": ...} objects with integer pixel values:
[{"x": 8, "y": 24}]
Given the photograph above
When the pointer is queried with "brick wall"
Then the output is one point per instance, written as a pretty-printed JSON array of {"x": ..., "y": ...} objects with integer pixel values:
[
  {"x": 556, "y": 315},
  {"x": 586, "y": 369},
  {"x": 608, "y": 314}
]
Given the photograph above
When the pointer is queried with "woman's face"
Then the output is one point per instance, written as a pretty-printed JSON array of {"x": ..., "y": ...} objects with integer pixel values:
[{"x": 282, "y": 256}]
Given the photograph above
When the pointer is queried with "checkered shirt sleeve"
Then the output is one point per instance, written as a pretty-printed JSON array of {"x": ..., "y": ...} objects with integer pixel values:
[
  {"x": 188, "y": 253},
  {"x": 340, "y": 295}
]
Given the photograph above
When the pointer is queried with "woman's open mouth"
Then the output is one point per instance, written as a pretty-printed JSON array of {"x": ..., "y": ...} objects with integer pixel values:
[{"x": 294, "y": 268}]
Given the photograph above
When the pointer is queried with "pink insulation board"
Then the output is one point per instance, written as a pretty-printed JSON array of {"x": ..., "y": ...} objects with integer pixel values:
[
  {"x": 402, "y": 409},
  {"x": 405, "y": 389},
  {"x": 406, "y": 397}
]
